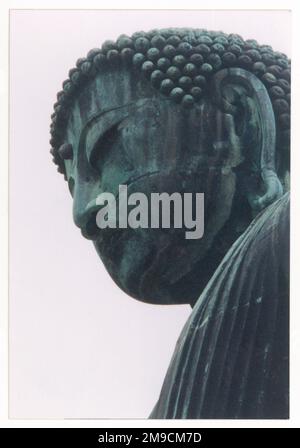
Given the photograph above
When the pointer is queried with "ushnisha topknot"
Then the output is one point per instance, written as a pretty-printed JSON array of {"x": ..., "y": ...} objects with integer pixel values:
[{"x": 179, "y": 63}]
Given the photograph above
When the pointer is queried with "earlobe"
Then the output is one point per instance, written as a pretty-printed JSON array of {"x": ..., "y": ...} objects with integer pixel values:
[{"x": 273, "y": 192}]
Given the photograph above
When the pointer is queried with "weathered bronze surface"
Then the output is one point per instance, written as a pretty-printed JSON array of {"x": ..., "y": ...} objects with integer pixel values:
[{"x": 183, "y": 110}]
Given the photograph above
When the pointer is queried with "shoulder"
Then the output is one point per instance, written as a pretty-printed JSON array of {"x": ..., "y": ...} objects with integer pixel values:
[{"x": 231, "y": 346}]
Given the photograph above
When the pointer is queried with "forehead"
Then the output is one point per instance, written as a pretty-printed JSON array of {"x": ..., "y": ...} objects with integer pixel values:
[{"x": 114, "y": 94}]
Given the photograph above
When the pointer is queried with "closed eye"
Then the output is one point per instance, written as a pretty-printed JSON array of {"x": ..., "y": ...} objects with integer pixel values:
[{"x": 104, "y": 144}]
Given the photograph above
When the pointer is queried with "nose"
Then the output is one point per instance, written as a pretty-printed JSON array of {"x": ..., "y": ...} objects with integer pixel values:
[{"x": 85, "y": 209}]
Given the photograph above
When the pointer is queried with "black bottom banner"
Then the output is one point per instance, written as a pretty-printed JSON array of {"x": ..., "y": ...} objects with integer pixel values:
[{"x": 185, "y": 437}]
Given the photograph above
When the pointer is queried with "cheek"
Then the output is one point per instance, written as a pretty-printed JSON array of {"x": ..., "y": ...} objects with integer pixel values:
[
  {"x": 151, "y": 141},
  {"x": 140, "y": 260},
  {"x": 219, "y": 199}
]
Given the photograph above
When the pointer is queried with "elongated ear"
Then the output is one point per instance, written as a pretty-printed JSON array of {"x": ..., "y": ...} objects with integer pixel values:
[{"x": 250, "y": 117}]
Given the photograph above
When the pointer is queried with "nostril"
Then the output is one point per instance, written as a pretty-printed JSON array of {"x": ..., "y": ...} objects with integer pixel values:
[{"x": 90, "y": 230}]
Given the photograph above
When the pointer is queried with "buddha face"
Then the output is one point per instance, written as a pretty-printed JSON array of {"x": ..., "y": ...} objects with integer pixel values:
[{"x": 124, "y": 133}]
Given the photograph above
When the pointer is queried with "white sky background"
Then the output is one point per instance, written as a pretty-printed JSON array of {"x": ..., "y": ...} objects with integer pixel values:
[{"x": 79, "y": 346}]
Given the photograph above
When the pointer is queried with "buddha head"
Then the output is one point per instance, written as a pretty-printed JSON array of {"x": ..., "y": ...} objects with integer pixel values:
[{"x": 175, "y": 110}]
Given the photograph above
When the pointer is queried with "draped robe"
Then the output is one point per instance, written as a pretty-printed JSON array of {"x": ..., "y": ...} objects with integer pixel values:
[{"x": 232, "y": 357}]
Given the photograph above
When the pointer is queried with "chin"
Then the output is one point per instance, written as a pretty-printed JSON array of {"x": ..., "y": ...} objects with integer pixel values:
[{"x": 152, "y": 266}]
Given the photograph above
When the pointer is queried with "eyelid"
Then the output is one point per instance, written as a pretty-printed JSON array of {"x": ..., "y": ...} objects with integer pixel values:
[
  {"x": 97, "y": 132},
  {"x": 95, "y": 149},
  {"x": 101, "y": 123}
]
